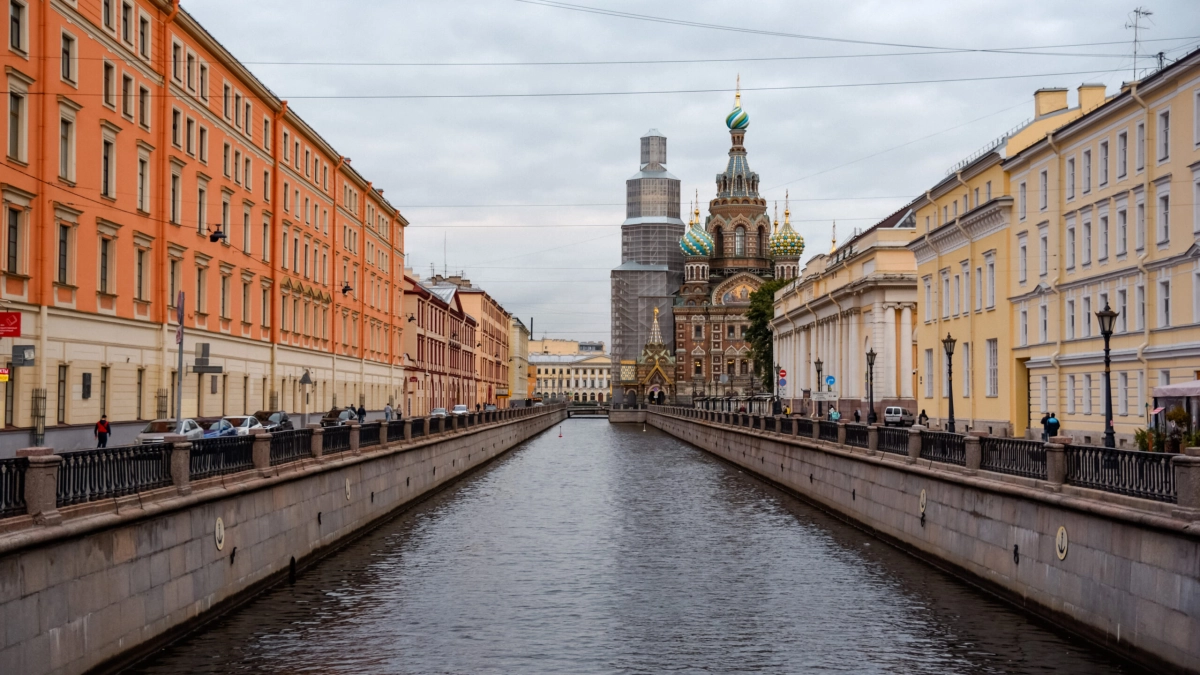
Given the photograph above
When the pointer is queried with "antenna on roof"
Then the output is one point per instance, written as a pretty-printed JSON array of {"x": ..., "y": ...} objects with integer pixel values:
[{"x": 1135, "y": 22}]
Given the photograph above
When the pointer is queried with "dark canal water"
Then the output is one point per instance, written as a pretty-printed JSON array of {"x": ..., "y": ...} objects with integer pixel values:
[{"x": 617, "y": 550}]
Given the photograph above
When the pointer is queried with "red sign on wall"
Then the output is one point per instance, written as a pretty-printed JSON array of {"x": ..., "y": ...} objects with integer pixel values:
[{"x": 10, "y": 324}]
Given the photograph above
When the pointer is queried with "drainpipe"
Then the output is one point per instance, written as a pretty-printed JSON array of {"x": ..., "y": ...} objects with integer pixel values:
[
  {"x": 276, "y": 233},
  {"x": 1141, "y": 263},
  {"x": 1057, "y": 276},
  {"x": 937, "y": 316},
  {"x": 45, "y": 250}
]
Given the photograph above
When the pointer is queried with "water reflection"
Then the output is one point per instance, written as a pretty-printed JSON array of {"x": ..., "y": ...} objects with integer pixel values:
[{"x": 618, "y": 550}]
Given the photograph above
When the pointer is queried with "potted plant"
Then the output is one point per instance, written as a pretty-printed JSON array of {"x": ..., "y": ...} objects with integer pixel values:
[{"x": 1179, "y": 420}]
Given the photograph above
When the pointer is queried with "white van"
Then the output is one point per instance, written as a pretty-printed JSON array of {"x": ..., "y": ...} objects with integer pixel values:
[{"x": 895, "y": 416}]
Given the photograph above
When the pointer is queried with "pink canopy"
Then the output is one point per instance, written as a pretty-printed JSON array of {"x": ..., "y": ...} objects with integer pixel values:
[{"x": 1180, "y": 390}]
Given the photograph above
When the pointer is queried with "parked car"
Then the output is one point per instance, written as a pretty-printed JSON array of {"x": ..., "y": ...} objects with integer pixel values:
[
  {"x": 244, "y": 424},
  {"x": 489, "y": 408},
  {"x": 155, "y": 431},
  {"x": 337, "y": 417},
  {"x": 460, "y": 409},
  {"x": 216, "y": 427},
  {"x": 274, "y": 420},
  {"x": 538, "y": 404},
  {"x": 895, "y": 416},
  {"x": 437, "y": 412}
]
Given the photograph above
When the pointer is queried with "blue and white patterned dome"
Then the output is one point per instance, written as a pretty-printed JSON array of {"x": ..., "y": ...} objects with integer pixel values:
[
  {"x": 737, "y": 119},
  {"x": 786, "y": 242},
  {"x": 696, "y": 243}
]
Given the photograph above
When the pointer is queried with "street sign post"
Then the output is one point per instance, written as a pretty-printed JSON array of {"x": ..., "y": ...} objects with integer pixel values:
[
  {"x": 830, "y": 380},
  {"x": 825, "y": 396},
  {"x": 782, "y": 383},
  {"x": 782, "y": 373}
]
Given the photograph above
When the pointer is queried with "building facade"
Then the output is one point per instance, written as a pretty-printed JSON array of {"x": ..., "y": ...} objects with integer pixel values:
[
  {"x": 651, "y": 269},
  {"x": 572, "y": 377},
  {"x": 144, "y": 164},
  {"x": 520, "y": 379},
  {"x": 439, "y": 348},
  {"x": 491, "y": 341},
  {"x": 559, "y": 346},
  {"x": 728, "y": 257},
  {"x": 860, "y": 297}
]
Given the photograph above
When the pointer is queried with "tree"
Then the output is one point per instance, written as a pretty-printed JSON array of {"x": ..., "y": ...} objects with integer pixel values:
[{"x": 758, "y": 334}]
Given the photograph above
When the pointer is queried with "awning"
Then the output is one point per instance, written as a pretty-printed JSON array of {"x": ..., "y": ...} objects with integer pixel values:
[{"x": 1179, "y": 390}]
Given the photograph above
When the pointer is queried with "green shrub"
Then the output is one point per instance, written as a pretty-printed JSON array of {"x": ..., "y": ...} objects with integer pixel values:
[{"x": 1149, "y": 440}]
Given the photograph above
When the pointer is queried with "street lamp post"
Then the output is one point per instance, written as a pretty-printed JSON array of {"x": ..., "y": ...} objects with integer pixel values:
[
  {"x": 871, "y": 418},
  {"x": 948, "y": 345},
  {"x": 820, "y": 366},
  {"x": 1107, "y": 318}
]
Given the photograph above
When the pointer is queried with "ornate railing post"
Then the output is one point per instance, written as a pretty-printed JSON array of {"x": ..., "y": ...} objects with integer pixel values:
[
  {"x": 1056, "y": 460},
  {"x": 318, "y": 440},
  {"x": 914, "y": 445},
  {"x": 181, "y": 462},
  {"x": 407, "y": 431},
  {"x": 453, "y": 423},
  {"x": 872, "y": 439},
  {"x": 841, "y": 437},
  {"x": 261, "y": 452},
  {"x": 383, "y": 435},
  {"x": 41, "y": 485},
  {"x": 973, "y": 445},
  {"x": 816, "y": 429},
  {"x": 354, "y": 431},
  {"x": 1187, "y": 479}
]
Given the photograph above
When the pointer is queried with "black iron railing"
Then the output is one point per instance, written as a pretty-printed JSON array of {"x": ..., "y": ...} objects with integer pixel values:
[
  {"x": 1013, "y": 456},
  {"x": 1148, "y": 475},
  {"x": 395, "y": 431},
  {"x": 219, "y": 456},
  {"x": 289, "y": 446},
  {"x": 368, "y": 434},
  {"x": 804, "y": 427},
  {"x": 828, "y": 431},
  {"x": 12, "y": 486},
  {"x": 418, "y": 427},
  {"x": 786, "y": 425},
  {"x": 89, "y": 475},
  {"x": 856, "y": 435},
  {"x": 943, "y": 446},
  {"x": 335, "y": 440},
  {"x": 893, "y": 440}
]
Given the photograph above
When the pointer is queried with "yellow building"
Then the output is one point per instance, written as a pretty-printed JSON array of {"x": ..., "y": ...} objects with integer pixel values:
[
  {"x": 964, "y": 255},
  {"x": 859, "y": 297},
  {"x": 1111, "y": 218},
  {"x": 520, "y": 377},
  {"x": 564, "y": 347}
]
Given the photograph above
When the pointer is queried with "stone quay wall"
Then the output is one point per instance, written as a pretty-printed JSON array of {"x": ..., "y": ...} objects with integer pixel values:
[
  {"x": 1129, "y": 579},
  {"x": 108, "y": 581}
]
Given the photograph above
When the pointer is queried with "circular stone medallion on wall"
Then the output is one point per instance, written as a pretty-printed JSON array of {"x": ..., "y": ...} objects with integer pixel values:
[
  {"x": 922, "y": 501},
  {"x": 1061, "y": 543},
  {"x": 219, "y": 534}
]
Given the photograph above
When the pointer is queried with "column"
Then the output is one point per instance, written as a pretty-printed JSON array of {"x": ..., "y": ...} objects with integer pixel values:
[
  {"x": 853, "y": 378},
  {"x": 802, "y": 366},
  {"x": 889, "y": 352},
  {"x": 906, "y": 352}
]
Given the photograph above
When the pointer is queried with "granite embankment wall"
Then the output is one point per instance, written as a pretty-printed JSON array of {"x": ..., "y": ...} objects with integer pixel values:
[
  {"x": 1128, "y": 579},
  {"x": 117, "y": 577}
]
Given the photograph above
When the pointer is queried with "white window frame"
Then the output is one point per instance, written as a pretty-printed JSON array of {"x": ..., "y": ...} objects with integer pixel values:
[
  {"x": 1022, "y": 258},
  {"x": 1122, "y": 393},
  {"x": 1163, "y": 119},
  {"x": 993, "y": 368},
  {"x": 67, "y": 112},
  {"x": 1071, "y": 394},
  {"x": 1122, "y": 155}
]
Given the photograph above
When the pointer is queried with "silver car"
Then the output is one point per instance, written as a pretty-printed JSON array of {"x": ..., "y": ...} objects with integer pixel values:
[
  {"x": 460, "y": 409},
  {"x": 245, "y": 424},
  {"x": 157, "y": 430},
  {"x": 437, "y": 412}
]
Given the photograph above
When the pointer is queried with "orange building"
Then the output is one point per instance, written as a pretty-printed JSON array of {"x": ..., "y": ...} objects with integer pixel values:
[
  {"x": 439, "y": 348},
  {"x": 143, "y": 161}
]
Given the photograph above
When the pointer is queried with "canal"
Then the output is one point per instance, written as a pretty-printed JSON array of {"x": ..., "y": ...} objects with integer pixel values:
[{"x": 618, "y": 550}]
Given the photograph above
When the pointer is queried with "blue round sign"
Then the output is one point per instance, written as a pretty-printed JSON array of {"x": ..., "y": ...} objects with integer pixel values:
[
  {"x": 829, "y": 380},
  {"x": 782, "y": 382}
]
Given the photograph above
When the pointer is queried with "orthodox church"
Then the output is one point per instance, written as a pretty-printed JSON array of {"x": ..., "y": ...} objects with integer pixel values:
[{"x": 727, "y": 257}]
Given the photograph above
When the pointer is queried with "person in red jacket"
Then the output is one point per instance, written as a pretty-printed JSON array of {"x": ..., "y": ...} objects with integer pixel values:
[{"x": 102, "y": 431}]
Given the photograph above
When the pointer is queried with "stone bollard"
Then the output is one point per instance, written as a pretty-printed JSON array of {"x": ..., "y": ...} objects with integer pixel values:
[
  {"x": 1187, "y": 480},
  {"x": 383, "y": 435},
  {"x": 974, "y": 449},
  {"x": 355, "y": 429},
  {"x": 841, "y": 433},
  {"x": 816, "y": 429},
  {"x": 407, "y": 430},
  {"x": 872, "y": 439},
  {"x": 453, "y": 423},
  {"x": 41, "y": 485},
  {"x": 262, "y": 452},
  {"x": 1056, "y": 460},
  {"x": 317, "y": 447},
  {"x": 914, "y": 443},
  {"x": 181, "y": 462},
  {"x": 795, "y": 427}
]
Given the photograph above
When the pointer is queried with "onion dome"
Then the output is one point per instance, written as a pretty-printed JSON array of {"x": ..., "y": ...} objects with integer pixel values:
[
  {"x": 696, "y": 243},
  {"x": 737, "y": 119},
  {"x": 786, "y": 242}
]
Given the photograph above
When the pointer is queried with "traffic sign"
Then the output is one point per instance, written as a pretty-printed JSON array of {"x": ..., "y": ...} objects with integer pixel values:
[
  {"x": 782, "y": 382},
  {"x": 824, "y": 396},
  {"x": 830, "y": 380},
  {"x": 782, "y": 373}
]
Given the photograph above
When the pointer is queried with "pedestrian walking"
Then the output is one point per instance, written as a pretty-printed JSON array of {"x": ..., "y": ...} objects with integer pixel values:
[
  {"x": 1052, "y": 426},
  {"x": 857, "y": 417},
  {"x": 923, "y": 419},
  {"x": 834, "y": 415},
  {"x": 1045, "y": 427},
  {"x": 387, "y": 412},
  {"x": 102, "y": 431},
  {"x": 362, "y": 414}
]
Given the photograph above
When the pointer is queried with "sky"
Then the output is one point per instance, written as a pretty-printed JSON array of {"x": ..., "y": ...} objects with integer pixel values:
[{"x": 444, "y": 105}]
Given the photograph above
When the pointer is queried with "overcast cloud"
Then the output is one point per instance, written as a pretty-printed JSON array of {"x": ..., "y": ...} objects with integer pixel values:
[{"x": 434, "y": 157}]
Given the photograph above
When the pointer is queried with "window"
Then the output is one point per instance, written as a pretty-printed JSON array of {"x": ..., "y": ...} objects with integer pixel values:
[
  {"x": 61, "y": 397},
  {"x": 1070, "y": 246},
  {"x": 68, "y": 58},
  {"x": 1087, "y": 243},
  {"x": 1141, "y": 307},
  {"x": 285, "y": 145},
  {"x": 144, "y": 107},
  {"x": 173, "y": 283},
  {"x": 64, "y": 254},
  {"x": 1103, "y": 163},
  {"x": 237, "y": 167},
  {"x": 1022, "y": 262},
  {"x": 224, "y": 296},
  {"x": 226, "y": 101},
  {"x": 16, "y": 126},
  {"x": 105, "y": 264},
  {"x": 16, "y": 26},
  {"x": 1122, "y": 393},
  {"x": 987, "y": 187},
  {"x": 1164, "y": 218},
  {"x": 1103, "y": 254},
  {"x": 1196, "y": 297},
  {"x": 1164, "y": 304},
  {"x": 266, "y": 185},
  {"x": 1070, "y": 319},
  {"x": 1086, "y": 319},
  {"x": 1087, "y": 171},
  {"x": 739, "y": 241},
  {"x": 928, "y": 300},
  {"x": 1021, "y": 201},
  {"x": 246, "y": 230},
  {"x": 966, "y": 372},
  {"x": 1122, "y": 154},
  {"x": 144, "y": 37},
  {"x": 245, "y": 302},
  {"x": 127, "y": 96},
  {"x": 1043, "y": 252},
  {"x": 1141, "y": 146},
  {"x": 191, "y": 72},
  {"x": 237, "y": 110},
  {"x": 978, "y": 289},
  {"x": 127, "y": 22},
  {"x": 266, "y": 238},
  {"x": 110, "y": 85},
  {"x": 177, "y": 61},
  {"x": 1122, "y": 311},
  {"x": 991, "y": 282},
  {"x": 1024, "y": 328},
  {"x": 201, "y": 296},
  {"x": 139, "y": 280},
  {"x": 12, "y": 251},
  {"x": 203, "y": 143},
  {"x": 225, "y": 159},
  {"x": 190, "y": 136},
  {"x": 1122, "y": 231},
  {"x": 945, "y": 295},
  {"x": 176, "y": 128},
  {"x": 1043, "y": 323},
  {"x": 266, "y": 315},
  {"x": 66, "y": 149},
  {"x": 1164, "y": 135},
  {"x": 204, "y": 81},
  {"x": 1071, "y": 178},
  {"x": 202, "y": 207},
  {"x": 928, "y": 373},
  {"x": 1043, "y": 190},
  {"x": 108, "y": 158},
  {"x": 1070, "y": 394},
  {"x": 1140, "y": 227}
]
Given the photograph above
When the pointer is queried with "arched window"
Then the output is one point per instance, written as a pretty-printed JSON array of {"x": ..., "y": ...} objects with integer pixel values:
[
  {"x": 762, "y": 242},
  {"x": 739, "y": 241},
  {"x": 719, "y": 242}
]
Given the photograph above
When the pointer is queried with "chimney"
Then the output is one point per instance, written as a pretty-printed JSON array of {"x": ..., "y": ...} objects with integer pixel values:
[
  {"x": 1046, "y": 101},
  {"x": 1090, "y": 96}
]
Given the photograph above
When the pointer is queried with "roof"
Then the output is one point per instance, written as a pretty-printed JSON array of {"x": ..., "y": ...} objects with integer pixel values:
[
  {"x": 892, "y": 221},
  {"x": 567, "y": 359}
]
